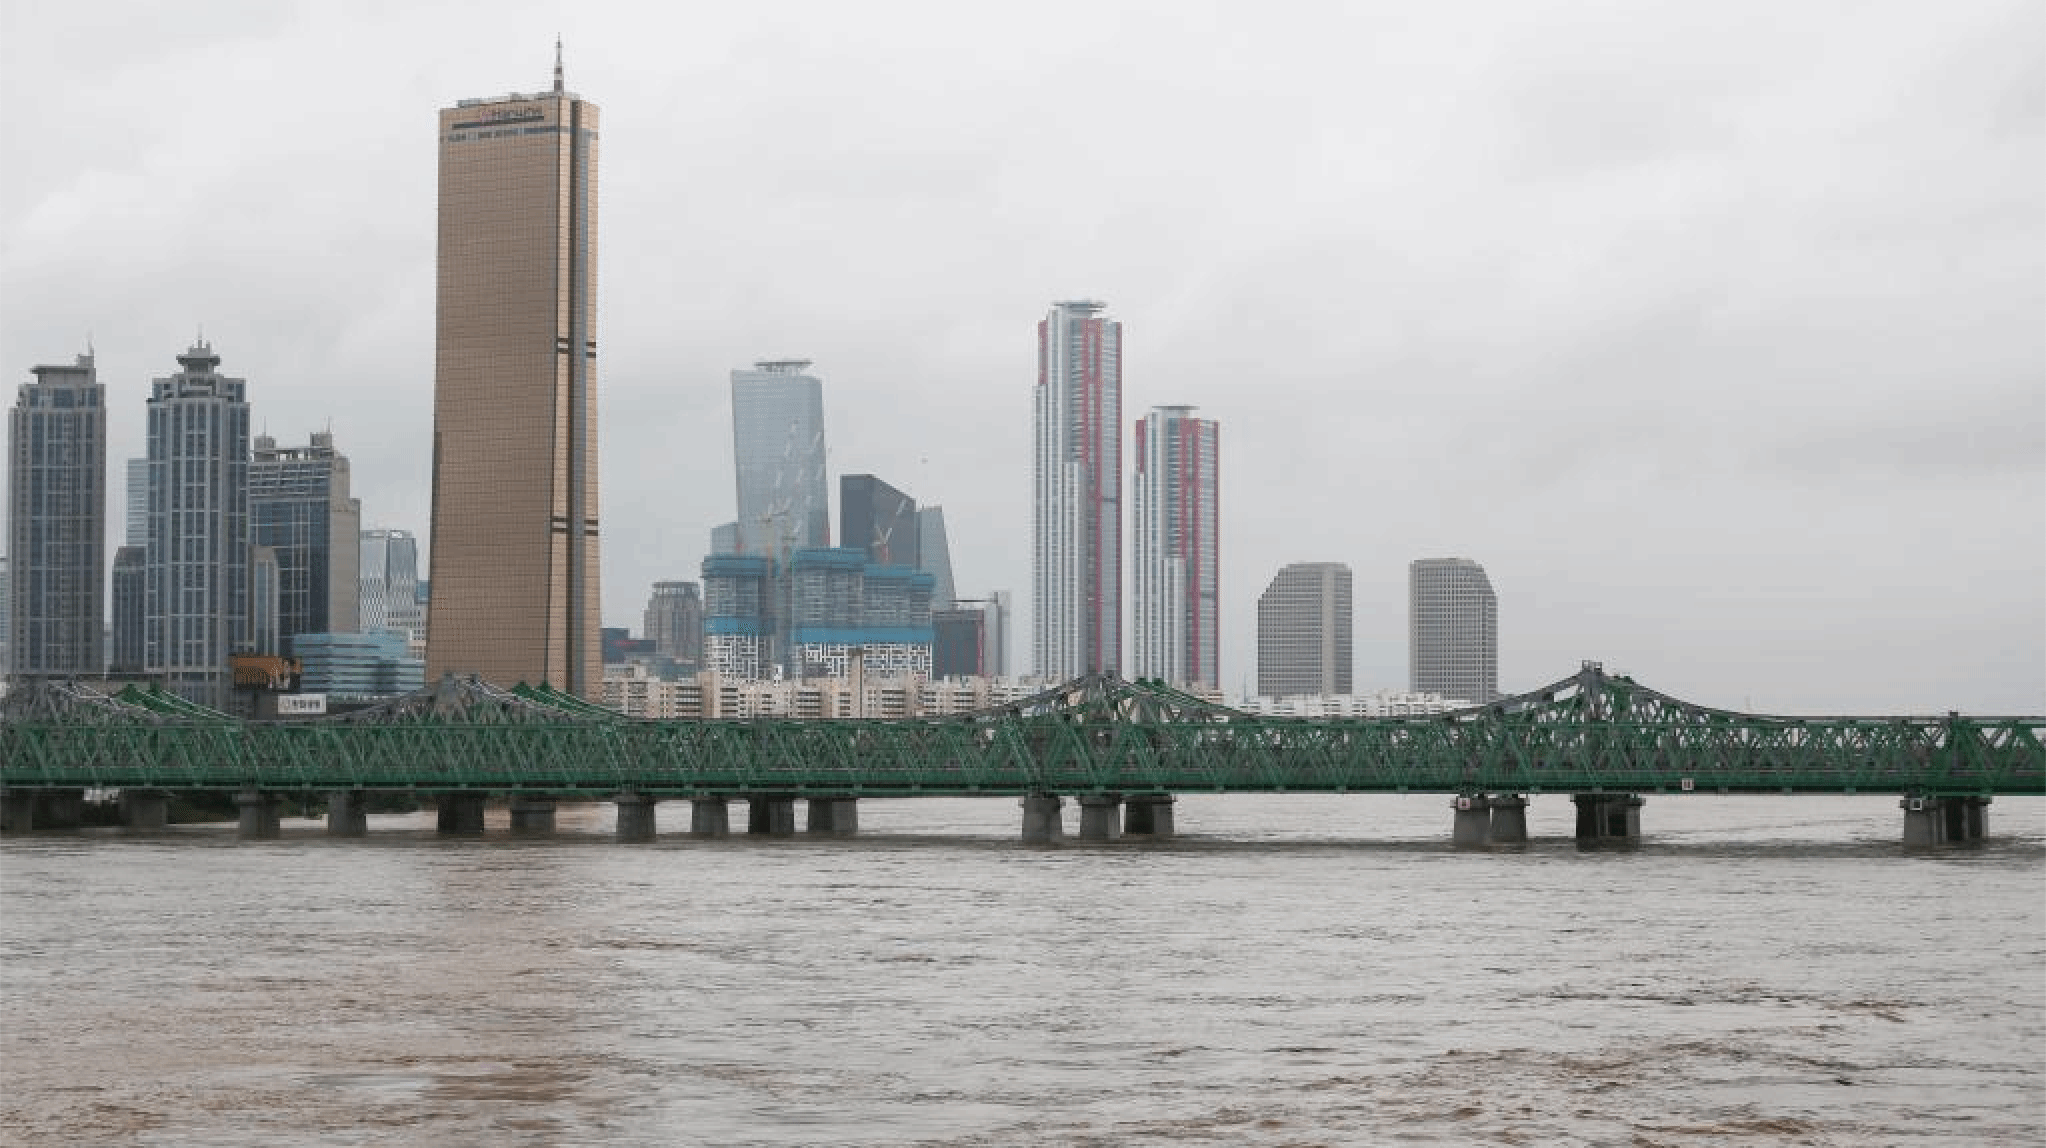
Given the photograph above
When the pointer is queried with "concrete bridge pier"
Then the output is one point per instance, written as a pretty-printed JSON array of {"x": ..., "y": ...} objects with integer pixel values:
[
  {"x": 532, "y": 813},
  {"x": 1944, "y": 820},
  {"x": 460, "y": 811},
  {"x": 1100, "y": 816},
  {"x": 258, "y": 810},
  {"x": 1148, "y": 815},
  {"x": 1509, "y": 819},
  {"x": 1608, "y": 816},
  {"x": 1042, "y": 822},
  {"x": 833, "y": 816},
  {"x": 60, "y": 808},
  {"x": 635, "y": 816},
  {"x": 768, "y": 816},
  {"x": 710, "y": 817},
  {"x": 144, "y": 809},
  {"x": 1473, "y": 824},
  {"x": 17, "y": 810},
  {"x": 346, "y": 816}
]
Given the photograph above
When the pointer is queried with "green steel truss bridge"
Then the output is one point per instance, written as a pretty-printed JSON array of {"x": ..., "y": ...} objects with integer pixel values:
[{"x": 1590, "y": 732}]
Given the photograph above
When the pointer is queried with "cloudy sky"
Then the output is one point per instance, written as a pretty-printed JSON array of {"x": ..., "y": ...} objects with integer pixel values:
[{"x": 1716, "y": 331}]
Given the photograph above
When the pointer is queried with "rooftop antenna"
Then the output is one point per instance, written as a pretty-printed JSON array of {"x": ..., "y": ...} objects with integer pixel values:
[{"x": 557, "y": 64}]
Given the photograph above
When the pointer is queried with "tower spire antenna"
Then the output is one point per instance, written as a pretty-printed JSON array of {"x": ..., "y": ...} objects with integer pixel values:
[{"x": 557, "y": 64}]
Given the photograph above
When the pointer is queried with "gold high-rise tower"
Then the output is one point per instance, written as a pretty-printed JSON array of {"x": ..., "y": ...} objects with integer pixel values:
[{"x": 514, "y": 559}]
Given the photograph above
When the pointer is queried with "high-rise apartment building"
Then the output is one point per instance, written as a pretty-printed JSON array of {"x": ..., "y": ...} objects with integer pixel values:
[
  {"x": 1076, "y": 507},
  {"x": 196, "y": 562},
  {"x": 300, "y": 507},
  {"x": 514, "y": 565},
  {"x": 56, "y": 522},
  {"x": 1452, "y": 629},
  {"x": 674, "y": 622},
  {"x": 1304, "y": 631},
  {"x": 879, "y": 519},
  {"x": 6, "y": 619},
  {"x": 778, "y": 452},
  {"x": 1174, "y": 596}
]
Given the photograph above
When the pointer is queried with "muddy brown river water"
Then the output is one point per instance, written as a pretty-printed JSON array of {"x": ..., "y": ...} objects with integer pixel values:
[{"x": 1291, "y": 971}]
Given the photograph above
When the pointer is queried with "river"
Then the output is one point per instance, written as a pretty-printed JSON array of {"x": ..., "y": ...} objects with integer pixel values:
[{"x": 1291, "y": 970}]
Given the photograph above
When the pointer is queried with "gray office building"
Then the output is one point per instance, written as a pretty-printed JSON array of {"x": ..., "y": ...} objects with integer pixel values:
[
  {"x": 674, "y": 622},
  {"x": 879, "y": 519},
  {"x": 1452, "y": 630},
  {"x": 57, "y": 514},
  {"x": 387, "y": 585},
  {"x": 1304, "y": 631},
  {"x": 778, "y": 452},
  {"x": 129, "y": 590},
  {"x": 300, "y": 507},
  {"x": 196, "y": 564}
]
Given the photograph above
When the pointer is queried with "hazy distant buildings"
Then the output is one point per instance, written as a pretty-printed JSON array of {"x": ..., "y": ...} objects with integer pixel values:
[
  {"x": 1304, "y": 631},
  {"x": 300, "y": 507},
  {"x": 388, "y": 587},
  {"x": 674, "y": 623},
  {"x": 57, "y": 513},
  {"x": 1076, "y": 504},
  {"x": 196, "y": 563},
  {"x": 1452, "y": 629},
  {"x": 126, "y": 650},
  {"x": 778, "y": 452},
  {"x": 6, "y": 620},
  {"x": 878, "y": 519},
  {"x": 1175, "y": 604},
  {"x": 515, "y": 556},
  {"x": 137, "y": 504},
  {"x": 934, "y": 553}
]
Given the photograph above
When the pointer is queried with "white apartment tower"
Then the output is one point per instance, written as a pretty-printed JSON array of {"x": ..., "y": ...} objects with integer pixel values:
[
  {"x": 1452, "y": 629},
  {"x": 1173, "y": 493},
  {"x": 1076, "y": 504}
]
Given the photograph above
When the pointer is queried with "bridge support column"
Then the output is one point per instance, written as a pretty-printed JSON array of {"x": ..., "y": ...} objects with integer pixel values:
[
  {"x": 1042, "y": 822},
  {"x": 17, "y": 810},
  {"x": 1148, "y": 815},
  {"x": 1944, "y": 820},
  {"x": 1509, "y": 819},
  {"x": 144, "y": 809},
  {"x": 346, "y": 816},
  {"x": 635, "y": 816},
  {"x": 1608, "y": 816},
  {"x": 1100, "y": 816},
  {"x": 835, "y": 816},
  {"x": 770, "y": 816},
  {"x": 1473, "y": 824},
  {"x": 532, "y": 814},
  {"x": 60, "y": 808},
  {"x": 460, "y": 812},
  {"x": 1978, "y": 817},
  {"x": 258, "y": 820},
  {"x": 710, "y": 817}
]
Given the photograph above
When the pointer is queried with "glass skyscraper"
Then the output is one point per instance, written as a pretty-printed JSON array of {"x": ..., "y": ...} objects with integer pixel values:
[
  {"x": 515, "y": 557},
  {"x": 196, "y": 562},
  {"x": 300, "y": 507},
  {"x": 778, "y": 453},
  {"x": 1175, "y": 604},
  {"x": 1076, "y": 508},
  {"x": 56, "y": 522},
  {"x": 1452, "y": 630}
]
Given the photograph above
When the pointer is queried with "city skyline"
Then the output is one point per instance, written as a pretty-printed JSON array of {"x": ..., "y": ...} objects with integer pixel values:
[{"x": 1585, "y": 316}]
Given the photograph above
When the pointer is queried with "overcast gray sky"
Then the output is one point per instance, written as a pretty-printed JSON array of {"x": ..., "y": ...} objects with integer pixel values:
[{"x": 1716, "y": 331}]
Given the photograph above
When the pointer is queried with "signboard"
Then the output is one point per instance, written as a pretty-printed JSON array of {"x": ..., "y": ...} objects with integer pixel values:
[{"x": 301, "y": 705}]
